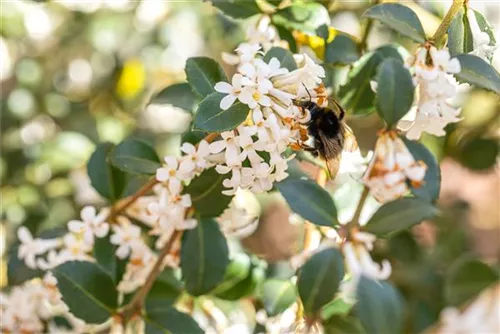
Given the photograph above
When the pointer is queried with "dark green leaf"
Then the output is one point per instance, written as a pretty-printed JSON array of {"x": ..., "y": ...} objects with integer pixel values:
[
  {"x": 303, "y": 16},
  {"x": 170, "y": 321},
  {"x": 179, "y": 95},
  {"x": 395, "y": 91},
  {"x": 135, "y": 156},
  {"x": 165, "y": 291},
  {"x": 466, "y": 278},
  {"x": 478, "y": 153},
  {"x": 319, "y": 279},
  {"x": 193, "y": 137},
  {"x": 246, "y": 286},
  {"x": 87, "y": 289},
  {"x": 104, "y": 253},
  {"x": 476, "y": 71},
  {"x": 237, "y": 9},
  {"x": 460, "y": 35},
  {"x": 322, "y": 31},
  {"x": 287, "y": 36},
  {"x": 337, "y": 307},
  {"x": 342, "y": 50},
  {"x": 309, "y": 200},
  {"x": 210, "y": 117},
  {"x": 356, "y": 94},
  {"x": 379, "y": 307},
  {"x": 203, "y": 73},
  {"x": 343, "y": 325},
  {"x": 400, "y": 18},
  {"x": 429, "y": 190},
  {"x": 277, "y": 296},
  {"x": 204, "y": 257},
  {"x": 205, "y": 191},
  {"x": 108, "y": 180},
  {"x": 284, "y": 56},
  {"x": 237, "y": 270},
  {"x": 399, "y": 215}
]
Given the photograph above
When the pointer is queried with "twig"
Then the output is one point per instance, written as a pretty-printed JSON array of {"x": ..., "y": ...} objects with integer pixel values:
[
  {"x": 122, "y": 206},
  {"x": 366, "y": 31},
  {"x": 445, "y": 24},
  {"x": 355, "y": 219}
]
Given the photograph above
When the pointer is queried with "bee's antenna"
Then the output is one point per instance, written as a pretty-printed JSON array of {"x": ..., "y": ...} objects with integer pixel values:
[{"x": 308, "y": 93}]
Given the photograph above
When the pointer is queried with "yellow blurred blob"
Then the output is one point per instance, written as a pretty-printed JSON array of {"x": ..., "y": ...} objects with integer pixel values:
[
  {"x": 316, "y": 43},
  {"x": 132, "y": 79}
]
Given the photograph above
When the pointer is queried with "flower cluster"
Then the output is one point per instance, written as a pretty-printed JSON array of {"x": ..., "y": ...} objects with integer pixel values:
[
  {"x": 29, "y": 305},
  {"x": 269, "y": 91},
  {"x": 392, "y": 168},
  {"x": 432, "y": 69}
]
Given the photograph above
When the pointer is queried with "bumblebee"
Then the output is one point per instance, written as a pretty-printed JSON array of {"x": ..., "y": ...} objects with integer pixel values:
[{"x": 330, "y": 134}]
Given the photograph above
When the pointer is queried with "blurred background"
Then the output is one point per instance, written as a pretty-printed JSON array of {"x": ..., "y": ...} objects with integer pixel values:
[{"x": 76, "y": 73}]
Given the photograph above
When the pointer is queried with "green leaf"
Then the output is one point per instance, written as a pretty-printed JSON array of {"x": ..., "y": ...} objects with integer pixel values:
[
  {"x": 104, "y": 253},
  {"x": 108, "y": 180},
  {"x": 179, "y": 95},
  {"x": 395, "y": 91},
  {"x": 287, "y": 36},
  {"x": 87, "y": 289},
  {"x": 400, "y": 18},
  {"x": 245, "y": 287},
  {"x": 429, "y": 190},
  {"x": 342, "y": 50},
  {"x": 478, "y": 153},
  {"x": 478, "y": 72},
  {"x": 135, "y": 156},
  {"x": 205, "y": 191},
  {"x": 204, "y": 257},
  {"x": 170, "y": 321},
  {"x": 356, "y": 94},
  {"x": 379, "y": 307},
  {"x": 319, "y": 279},
  {"x": 399, "y": 215},
  {"x": 309, "y": 200},
  {"x": 237, "y": 270},
  {"x": 343, "y": 325},
  {"x": 466, "y": 278},
  {"x": 277, "y": 296},
  {"x": 303, "y": 16},
  {"x": 210, "y": 117},
  {"x": 238, "y": 9},
  {"x": 193, "y": 137},
  {"x": 460, "y": 34},
  {"x": 203, "y": 73},
  {"x": 484, "y": 26},
  {"x": 165, "y": 291},
  {"x": 337, "y": 307},
  {"x": 284, "y": 56}
]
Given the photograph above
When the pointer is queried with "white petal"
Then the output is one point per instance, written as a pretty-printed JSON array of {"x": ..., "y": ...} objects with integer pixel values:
[
  {"x": 265, "y": 100},
  {"x": 172, "y": 162},
  {"x": 88, "y": 213},
  {"x": 76, "y": 226},
  {"x": 24, "y": 234},
  {"x": 221, "y": 169},
  {"x": 227, "y": 101},
  {"x": 102, "y": 230},
  {"x": 217, "y": 146},
  {"x": 223, "y": 87},
  {"x": 122, "y": 251},
  {"x": 174, "y": 185},
  {"x": 188, "y": 148},
  {"x": 162, "y": 174}
]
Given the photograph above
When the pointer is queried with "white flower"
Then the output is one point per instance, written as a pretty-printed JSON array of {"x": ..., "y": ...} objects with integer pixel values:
[
  {"x": 138, "y": 268},
  {"x": 231, "y": 149},
  {"x": 248, "y": 146},
  {"x": 125, "y": 236},
  {"x": 233, "y": 91},
  {"x": 30, "y": 247},
  {"x": 75, "y": 248},
  {"x": 480, "y": 39},
  {"x": 172, "y": 173},
  {"x": 241, "y": 218},
  {"x": 263, "y": 179},
  {"x": 195, "y": 158},
  {"x": 391, "y": 166},
  {"x": 247, "y": 52},
  {"x": 92, "y": 224},
  {"x": 263, "y": 33},
  {"x": 254, "y": 96}
]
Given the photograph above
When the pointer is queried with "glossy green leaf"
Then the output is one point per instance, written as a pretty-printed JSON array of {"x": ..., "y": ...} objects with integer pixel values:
[
  {"x": 245, "y": 287},
  {"x": 399, "y": 215},
  {"x": 204, "y": 257},
  {"x": 429, "y": 190},
  {"x": 337, "y": 307},
  {"x": 108, "y": 180},
  {"x": 284, "y": 56},
  {"x": 460, "y": 34},
  {"x": 210, "y": 117},
  {"x": 303, "y": 16},
  {"x": 342, "y": 51},
  {"x": 400, "y": 18},
  {"x": 395, "y": 91},
  {"x": 203, "y": 73},
  {"x": 237, "y": 270},
  {"x": 466, "y": 278},
  {"x": 170, "y": 321},
  {"x": 135, "y": 156},
  {"x": 319, "y": 279},
  {"x": 205, "y": 191},
  {"x": 356, "y": 94},
  {"x": 87, "y": 289},
  {"x": 165, "y": 291},
  {"x": 478, "y": 72},
  {"x": 343, "y": 325},
  {"x": 277, "y": 296},
  {"x": 237, "y": 9},
  {"x": 104, "y": 253},
  {"x": 179, "y": 95},
  {"x": 287, "y": 36},
  {"x": 309, "y": 200},
  {"x": 379, "y": 307}
]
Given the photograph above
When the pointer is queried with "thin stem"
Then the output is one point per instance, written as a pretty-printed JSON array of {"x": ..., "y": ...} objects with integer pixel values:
[
  {"x": 366, "y": 31},
  {"x": 122, "y": 206},
  {"x": 355, "y": 219},
  {"x": 445, "y": 24}
]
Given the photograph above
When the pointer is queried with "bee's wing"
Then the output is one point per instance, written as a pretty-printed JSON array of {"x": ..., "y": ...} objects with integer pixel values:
[
  {"x": 331, "y": 153},
  {"x": 350, "y": 142}
]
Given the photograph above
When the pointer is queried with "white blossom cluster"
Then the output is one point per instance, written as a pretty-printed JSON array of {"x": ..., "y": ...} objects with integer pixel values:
[
  {"x": 274, "y": 122},
  {"x": 28, "y": 306},
  {"x": 392, "y": 168},
  {"x": 436, "y": 86}
]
